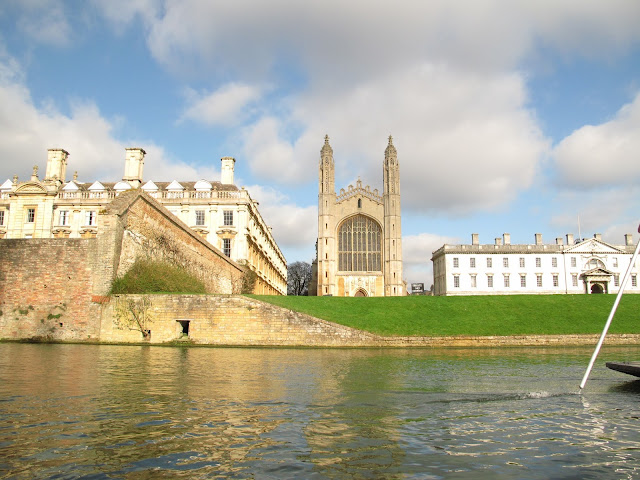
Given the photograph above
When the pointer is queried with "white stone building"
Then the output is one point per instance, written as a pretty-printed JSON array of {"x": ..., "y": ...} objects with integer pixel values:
[
  {"x": 225, "y": 215},
  {"x": 359, "y": 248},
  {"x": 582, "y": 266}
]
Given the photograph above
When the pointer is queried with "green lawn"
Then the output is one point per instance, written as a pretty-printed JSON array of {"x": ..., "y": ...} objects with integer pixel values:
[{"x": 472, "y": 315}]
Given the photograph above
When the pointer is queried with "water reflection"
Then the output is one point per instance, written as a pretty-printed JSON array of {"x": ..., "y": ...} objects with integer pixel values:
[{"x": 69, "y": 411}]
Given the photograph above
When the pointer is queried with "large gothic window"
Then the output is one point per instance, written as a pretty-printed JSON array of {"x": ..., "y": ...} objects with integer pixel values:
[{"x": 359, "y": 245}]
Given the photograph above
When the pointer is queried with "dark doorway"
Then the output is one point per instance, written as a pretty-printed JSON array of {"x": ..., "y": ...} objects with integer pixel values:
[
  {"x": 185, "y": 327},
  {"x": 360, "y": 293},
  {"x": 597, "y": 288}
]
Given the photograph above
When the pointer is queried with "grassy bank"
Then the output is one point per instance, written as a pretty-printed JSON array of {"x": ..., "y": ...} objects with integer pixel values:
[{"x": 473, "y": 315}]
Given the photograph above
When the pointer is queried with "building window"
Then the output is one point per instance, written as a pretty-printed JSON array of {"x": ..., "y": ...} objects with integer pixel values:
[
  {"x": 63, "y": 218},
  {"x": 456, "y": 262},
  {"x": 1, "y": 217},
  {"x": 505, "y": 262},
  {"x": 31, "y": 215},
  {"x": 359, "y": 203},
  {"x": 616, "y": 280},
  {"x": 199, "y": 217},
  {"x": 615, "y": 261},
  {"x": 490, "y": 281},
  {"x": 521, "y": 262},
  {"x": 456, "y": 281},
  {"x": 634, "y": 280},
  {"x": 554, "y": 262},
  {"x": 523, "y": 280},
  {"x": 538, "y": 262},
  {"x": 90, "y": 218},
  {"x": 489, "y": 262},
  {"x": 228, "y": 217},
  {"x": 226, "y": 246},
  {"x": 473, "y": 281},
  {"x": 506, "y": 280},
  {"x": 539, "y": 280},
  {"x": 555, "y": 280},
  {"x": 594, "y": 263},
  {"x": 574, "y": 262},
  {"x": 574, "y": 279},
  {"x": 472, "y": 262},
  {"x": 359, "y": 245}
]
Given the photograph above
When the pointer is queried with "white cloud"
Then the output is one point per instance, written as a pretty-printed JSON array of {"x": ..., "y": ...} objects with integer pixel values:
[
  {"x": 294, "y": 227},
  {"x": 465, "y": 142},
  {"x": 602, "y": 155},
  {"x": 416, "y": 256},
  {"x": 227, "y": 106},
  {"x": 336, "y": 40},
  {"x": 28, "y": 130}
]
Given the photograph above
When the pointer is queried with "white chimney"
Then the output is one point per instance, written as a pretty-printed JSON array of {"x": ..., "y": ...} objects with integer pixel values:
[
  {"x": 569, "y": 238},
  {"x": 507, "y": 238},
  {"x": 538, "y": 237},
  {"x": 56, "y": 165},
  {"x": 226, "y": 176},
  {"x": 628, "y": 239},
  {"x": 133, "y": 165}
]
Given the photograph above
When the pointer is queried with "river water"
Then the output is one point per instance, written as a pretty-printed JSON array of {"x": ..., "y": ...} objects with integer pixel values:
[{"x": 139, "y": 412}]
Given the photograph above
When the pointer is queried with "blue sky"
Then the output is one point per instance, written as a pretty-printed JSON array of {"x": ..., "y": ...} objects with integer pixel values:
[{"x": 517, "y": 117}]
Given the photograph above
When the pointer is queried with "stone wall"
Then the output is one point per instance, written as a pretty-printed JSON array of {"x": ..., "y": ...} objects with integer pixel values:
[
  {"x": 47, "y": 289},
  {"x": 150, "y": 231},
  {"x": 242, "y": 321},
  {"x": 55, "y": 288}
]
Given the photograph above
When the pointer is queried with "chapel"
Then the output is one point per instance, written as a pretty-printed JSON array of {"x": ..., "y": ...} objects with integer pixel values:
[{"x": 359, "y": 246}]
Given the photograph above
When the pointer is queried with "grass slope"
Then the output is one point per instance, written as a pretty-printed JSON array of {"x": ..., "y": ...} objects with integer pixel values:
[
  {"x": 472, "y": 315},
  {"x": 156, "y": 277}
]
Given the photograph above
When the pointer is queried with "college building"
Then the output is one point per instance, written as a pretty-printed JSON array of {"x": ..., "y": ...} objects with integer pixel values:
[
  {"x": 359, "y": 246},
  {"x": 577, "y": 266},
  {"x": 221, "y": 213}
]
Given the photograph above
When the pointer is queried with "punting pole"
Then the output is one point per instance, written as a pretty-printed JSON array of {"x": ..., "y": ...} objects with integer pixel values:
[{"x": 611, "y": 314}]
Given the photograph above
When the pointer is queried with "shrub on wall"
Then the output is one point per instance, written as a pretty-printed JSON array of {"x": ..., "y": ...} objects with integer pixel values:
[
  {"x": 249, "y": 279},
  {"x": 147, "y": 276}
]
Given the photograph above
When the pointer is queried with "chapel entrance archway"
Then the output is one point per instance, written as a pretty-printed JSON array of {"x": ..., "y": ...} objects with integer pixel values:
[
  {"x": 597, "y": 288},
  {"x": 360, "y": 293}
]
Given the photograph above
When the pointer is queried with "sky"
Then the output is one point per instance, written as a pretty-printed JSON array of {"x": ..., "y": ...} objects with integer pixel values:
[{"x": 508, "y": 116}]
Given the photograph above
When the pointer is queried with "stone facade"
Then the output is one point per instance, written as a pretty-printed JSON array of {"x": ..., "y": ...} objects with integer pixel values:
[
  {"x": 502, "y": 268},
  {"x": 218, "y": 211},
  {"x": 359, "y": 247},
  {"x": 55, "y": 288}
]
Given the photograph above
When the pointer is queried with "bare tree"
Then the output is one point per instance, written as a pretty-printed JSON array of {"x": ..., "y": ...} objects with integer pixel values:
[
  {"x": 134, "y": 315},
  {"x": 298, "y": 278}
]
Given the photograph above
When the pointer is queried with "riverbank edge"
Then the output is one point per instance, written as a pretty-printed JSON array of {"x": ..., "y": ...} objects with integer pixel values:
[{"x": 469, "y": 341}]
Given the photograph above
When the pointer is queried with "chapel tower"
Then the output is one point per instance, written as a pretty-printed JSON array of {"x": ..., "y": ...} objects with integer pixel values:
[
  {"x": 392, "y": 225},
  {"x": 326, "y": 222}
]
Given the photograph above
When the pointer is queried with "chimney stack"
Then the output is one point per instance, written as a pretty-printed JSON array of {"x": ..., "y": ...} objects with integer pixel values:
[
  {"x": 628, "y": 239},
  {"x": 558, "y": 240},
  {"x": 498, "y": 241},
  {"x": 133, "y": 165},
  {"x": 570, "y": 239},
  {"x": 538, "y": 238},
  {"x": 597, "y": 236},
  {"x": 507, "y": 238},
  {"x": 475, "y": 240},
  {"x": 56, "y": 165},
  {"x": 226, "y": 174}
]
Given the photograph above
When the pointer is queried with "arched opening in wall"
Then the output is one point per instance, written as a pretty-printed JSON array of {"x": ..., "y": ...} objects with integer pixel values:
[
  {"x": 597, "y": 288},
  {"x": 360, "y": 293}
]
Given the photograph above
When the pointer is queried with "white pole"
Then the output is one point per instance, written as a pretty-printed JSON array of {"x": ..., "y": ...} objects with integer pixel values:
[{"x": 611, "y": 314}]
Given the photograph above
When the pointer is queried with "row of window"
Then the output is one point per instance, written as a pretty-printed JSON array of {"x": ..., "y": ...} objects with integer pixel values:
[
  {"x": 593, "y": 263},
  {"x": 227, "y": 216},
  {"x": 523, "y": 280}
]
